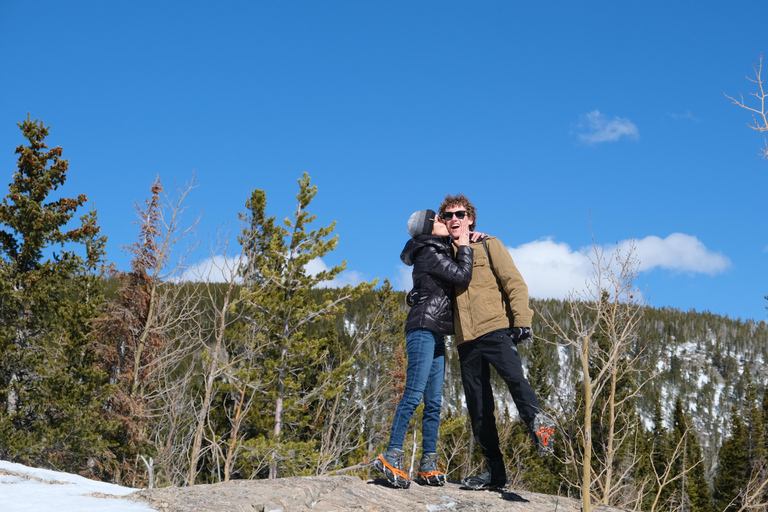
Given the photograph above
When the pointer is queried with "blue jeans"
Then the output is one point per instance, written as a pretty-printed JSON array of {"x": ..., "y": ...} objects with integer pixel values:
[{"x": 424, "y": 377}]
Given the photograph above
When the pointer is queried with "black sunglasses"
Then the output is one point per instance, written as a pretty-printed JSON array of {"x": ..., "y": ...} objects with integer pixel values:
[{"x": 449, "y": 215}]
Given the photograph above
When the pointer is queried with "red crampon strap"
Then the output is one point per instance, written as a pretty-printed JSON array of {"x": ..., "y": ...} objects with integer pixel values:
[
  {"x": 396, "y": 471},
  {"x": 430, "y": 474},
  {"x": 545, "y": 433}
]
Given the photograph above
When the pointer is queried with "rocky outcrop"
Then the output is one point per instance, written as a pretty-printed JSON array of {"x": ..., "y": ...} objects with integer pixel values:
[{"x": 345, "y": 493}]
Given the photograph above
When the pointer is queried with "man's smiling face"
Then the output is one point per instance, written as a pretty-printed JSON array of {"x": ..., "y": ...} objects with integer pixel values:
[{"x": 453, "y": 222}]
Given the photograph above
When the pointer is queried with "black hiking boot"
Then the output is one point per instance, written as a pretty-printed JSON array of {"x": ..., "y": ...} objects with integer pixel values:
[
  {"x": 543, "y": 432},
  {"x": 429, "y": 472},
  {"x": 493, "y": 478},
  {"x": 391, "y": 464}
]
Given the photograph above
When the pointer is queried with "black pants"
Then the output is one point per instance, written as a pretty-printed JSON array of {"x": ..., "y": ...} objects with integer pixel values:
[{"x": 495, "y": 348}]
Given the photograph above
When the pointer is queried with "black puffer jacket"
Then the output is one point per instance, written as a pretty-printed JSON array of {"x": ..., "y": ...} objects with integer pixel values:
[{"x": 435, "y": 274}]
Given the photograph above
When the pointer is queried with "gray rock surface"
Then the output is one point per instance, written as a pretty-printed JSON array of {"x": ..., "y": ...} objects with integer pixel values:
[{"x": 345, "y": 493}]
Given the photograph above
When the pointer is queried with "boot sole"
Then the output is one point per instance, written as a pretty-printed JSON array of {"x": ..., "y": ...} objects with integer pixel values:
[
  {"x": 434, "y": 479},
  {"x": 544, "y": 430},
  {"x": 483, "y": 488}
]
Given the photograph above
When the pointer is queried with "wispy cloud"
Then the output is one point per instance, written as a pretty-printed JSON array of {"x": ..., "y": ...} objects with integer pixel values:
[
  {"x": 213, "y": 270},
  {"x": 594, "y": 128},
  {"x": 219, "y": 269},
  {"x": 346, "y": 277},
  {"x": 552, "y": 269},
  {"x": 404, "y": 278},
  {"x": 687, "y": 116}
]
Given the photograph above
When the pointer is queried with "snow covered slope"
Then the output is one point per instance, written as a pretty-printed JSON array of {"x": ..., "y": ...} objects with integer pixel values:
[{"x": 25, "y": 489}]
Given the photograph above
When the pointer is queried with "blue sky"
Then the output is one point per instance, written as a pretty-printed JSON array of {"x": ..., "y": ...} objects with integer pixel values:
[{"x": 551, "y": 117}]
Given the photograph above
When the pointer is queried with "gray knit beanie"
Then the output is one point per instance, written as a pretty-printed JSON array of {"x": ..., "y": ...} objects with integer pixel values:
[{"x": 421, "y": 222}]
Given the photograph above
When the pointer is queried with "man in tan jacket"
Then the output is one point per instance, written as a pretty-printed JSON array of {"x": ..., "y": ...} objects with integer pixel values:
[{"x": 491, "y": 317}]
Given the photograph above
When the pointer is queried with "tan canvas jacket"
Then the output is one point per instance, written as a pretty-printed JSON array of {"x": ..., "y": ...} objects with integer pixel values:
[{"x": 489, "y": 304}]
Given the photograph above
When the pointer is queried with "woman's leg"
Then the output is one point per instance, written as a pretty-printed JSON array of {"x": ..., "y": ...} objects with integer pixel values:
[
  {"x": 433, "y": 397},
  {"x": 420, "y": 345}
]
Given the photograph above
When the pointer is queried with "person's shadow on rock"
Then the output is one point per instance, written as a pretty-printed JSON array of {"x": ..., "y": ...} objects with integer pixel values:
[
  {"x": 383, "y": 482},
  {"x": 511, "y": 496}
]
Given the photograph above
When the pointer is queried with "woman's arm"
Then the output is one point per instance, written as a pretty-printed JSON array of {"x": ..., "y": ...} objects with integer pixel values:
[{"x": 441, "y": 266}]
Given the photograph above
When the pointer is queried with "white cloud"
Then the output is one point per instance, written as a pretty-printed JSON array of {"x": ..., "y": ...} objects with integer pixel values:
[
  {"x": 680, "y": 253},
  {"x": 316, "y": 266},
  {"x": 346, "y": 277},
  {"x": 594, "y": 128},
  {"x": 552, "y": 269},
  {"x": 404, "y": 278},
  {"x": 213, "y": 270}
]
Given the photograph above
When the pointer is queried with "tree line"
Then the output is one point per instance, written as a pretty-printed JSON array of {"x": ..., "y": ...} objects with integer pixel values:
[{"x": 152, "y": 376}]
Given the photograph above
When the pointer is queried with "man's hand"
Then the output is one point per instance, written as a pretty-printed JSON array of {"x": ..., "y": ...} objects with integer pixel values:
[{"x": 521, "y": 334}]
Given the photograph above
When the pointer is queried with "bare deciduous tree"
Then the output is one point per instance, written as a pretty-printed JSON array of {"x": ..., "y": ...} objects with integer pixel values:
[
  {"x": 607, "y": 309},
  {"x": 139, "y": 332},
  {"x": 753, "y": 497},
  {"x": 360, "y": 406},
  {"x": 759, "y": 112},
  {"x": 220, "y": 357},
  {"x": 454, "y": 445},
  {"x": 665, "y": 475}
]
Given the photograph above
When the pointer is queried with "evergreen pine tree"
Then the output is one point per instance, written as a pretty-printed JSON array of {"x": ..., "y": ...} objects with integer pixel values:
[
  {"x": 755, "y": 431},
  {"x": 282, "y": 308},
  {"x": 764, "y": 415},
  {"x": 691, "y": 490},
  {"x": 540, "y": 475},
  {"x": 51, "y": 386},
  {"x": 641, "y": 476},
  {"x": 754, "y": 422},
  {"x": 538, "y": 373},
  {"x": 658, "y": 456},
  {"x": 733, "y": 468}
]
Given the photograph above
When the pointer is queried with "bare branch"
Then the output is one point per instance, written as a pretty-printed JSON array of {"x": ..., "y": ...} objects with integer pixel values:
[{"x": 759, "y": 113}]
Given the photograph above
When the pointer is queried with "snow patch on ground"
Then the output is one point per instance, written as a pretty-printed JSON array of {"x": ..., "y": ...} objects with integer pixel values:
[
  {"x": 688, "y": 347},
  {"x": 350, "y": 327},
  {"x": 25, "y": 489}
]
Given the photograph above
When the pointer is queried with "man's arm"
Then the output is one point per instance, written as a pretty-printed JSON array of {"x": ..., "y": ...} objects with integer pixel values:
[{"x": 512, "y": 282}]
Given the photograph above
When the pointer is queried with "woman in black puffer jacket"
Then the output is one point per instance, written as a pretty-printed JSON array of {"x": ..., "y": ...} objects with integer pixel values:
[{"x": 435, "y": 275}]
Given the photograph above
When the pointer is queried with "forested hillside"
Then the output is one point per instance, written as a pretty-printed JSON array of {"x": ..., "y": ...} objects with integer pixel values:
[
  {"x": 704, "y": 370},
  {"x": 253, "y": 368},
  {"x": 703, "y": 380}
]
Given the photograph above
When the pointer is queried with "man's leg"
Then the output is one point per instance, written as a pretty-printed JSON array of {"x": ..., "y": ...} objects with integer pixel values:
[
  {"x": 501, "y": 351},
  {"x": 499, "y": 348},
  {"x": 475, "y": 376}
]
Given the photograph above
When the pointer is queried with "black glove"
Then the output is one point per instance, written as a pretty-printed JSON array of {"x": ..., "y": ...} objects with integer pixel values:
[
  {"x": 521, "y": 334},
  {"x": 416, "y": 297}
]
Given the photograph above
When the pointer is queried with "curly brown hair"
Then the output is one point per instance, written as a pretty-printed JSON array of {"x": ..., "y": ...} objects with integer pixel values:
[{"x": 459, "y": 200}]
